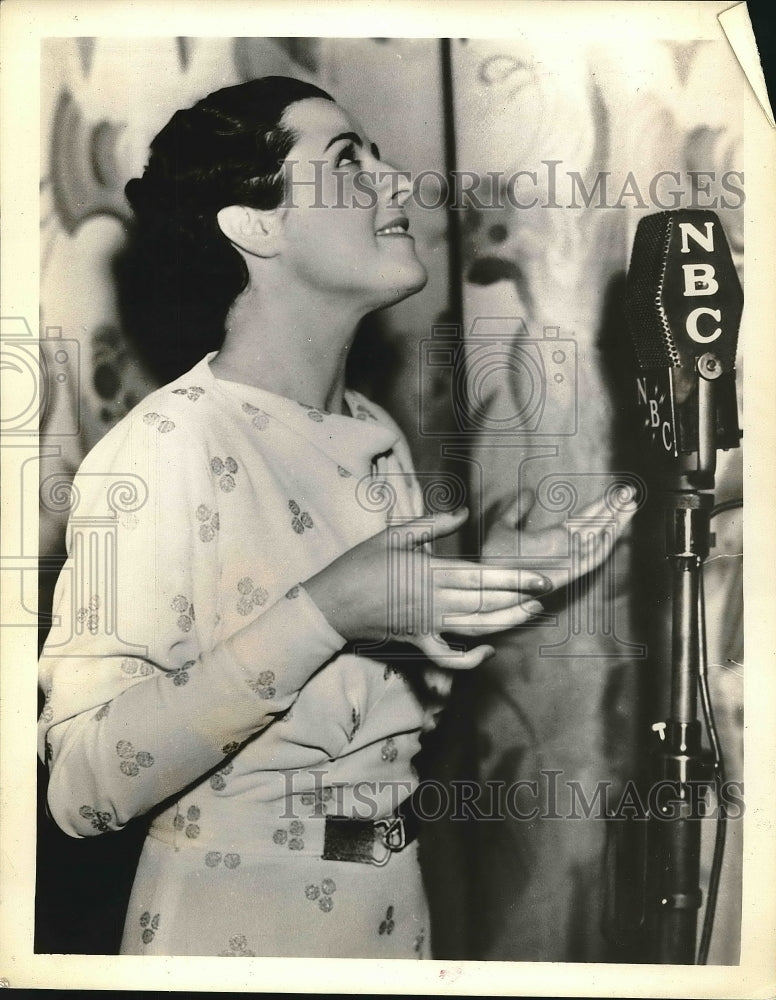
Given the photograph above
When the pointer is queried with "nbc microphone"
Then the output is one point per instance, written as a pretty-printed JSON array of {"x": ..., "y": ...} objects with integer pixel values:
[{"x": 684, "y": 305}]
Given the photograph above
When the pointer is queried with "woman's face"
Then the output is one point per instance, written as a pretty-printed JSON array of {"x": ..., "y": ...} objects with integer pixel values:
[{"x": 345, "y": 231}]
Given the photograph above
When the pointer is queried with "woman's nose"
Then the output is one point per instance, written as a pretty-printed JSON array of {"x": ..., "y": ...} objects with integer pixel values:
[
  {"x": 403, "y": 193},
  {"x": 396, "y": 184}
]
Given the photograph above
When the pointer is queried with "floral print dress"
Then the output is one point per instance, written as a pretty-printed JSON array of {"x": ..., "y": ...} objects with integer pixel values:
[{"x": 203, "y": 510}]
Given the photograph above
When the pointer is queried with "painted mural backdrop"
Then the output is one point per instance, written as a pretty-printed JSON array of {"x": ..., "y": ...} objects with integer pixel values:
[
  {"x": 592, "y": 130},
  {"x": 577, "y": 138}
]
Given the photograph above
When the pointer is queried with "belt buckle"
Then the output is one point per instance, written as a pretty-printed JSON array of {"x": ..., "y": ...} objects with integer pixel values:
[{"x": 393, "y": 837}]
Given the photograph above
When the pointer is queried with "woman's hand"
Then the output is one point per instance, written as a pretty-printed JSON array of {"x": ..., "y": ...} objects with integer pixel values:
[
  {"x": 540, "y": 548},
  {"x": 390, "y": 586}
]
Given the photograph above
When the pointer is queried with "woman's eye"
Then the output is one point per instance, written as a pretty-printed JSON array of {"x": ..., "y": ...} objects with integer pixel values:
[{"x": 348, "y": 156}]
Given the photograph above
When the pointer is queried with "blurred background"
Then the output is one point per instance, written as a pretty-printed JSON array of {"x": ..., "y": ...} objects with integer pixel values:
[{"x": 576, "y": 692}]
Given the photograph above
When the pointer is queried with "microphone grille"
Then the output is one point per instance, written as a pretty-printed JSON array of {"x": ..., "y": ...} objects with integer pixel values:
[{"x": 652, "y": 338}]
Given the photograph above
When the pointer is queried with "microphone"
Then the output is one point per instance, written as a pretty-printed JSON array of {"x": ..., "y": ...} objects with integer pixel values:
[{"x": 683, "y": 306}]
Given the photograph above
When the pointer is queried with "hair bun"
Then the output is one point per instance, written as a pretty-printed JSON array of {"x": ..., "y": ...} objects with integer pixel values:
[
  {"x": 148, "y": 196},
  {"x": 133, "y": 191}
]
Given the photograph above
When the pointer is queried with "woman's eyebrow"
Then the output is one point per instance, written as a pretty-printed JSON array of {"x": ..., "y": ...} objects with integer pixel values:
[
  {"x": 356, "y": 140},
  {"x": 352, "y": 136}
]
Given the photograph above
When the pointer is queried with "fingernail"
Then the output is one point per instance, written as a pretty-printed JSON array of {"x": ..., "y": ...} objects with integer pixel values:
[
  {"x": 540, "y": 582},
  {"x": 532, "y": 607}
]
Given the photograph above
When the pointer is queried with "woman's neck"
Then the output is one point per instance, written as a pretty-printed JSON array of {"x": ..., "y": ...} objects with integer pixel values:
[{"x": 283, "y": 345}]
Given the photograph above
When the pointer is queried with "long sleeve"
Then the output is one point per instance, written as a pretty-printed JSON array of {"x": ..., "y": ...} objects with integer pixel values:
[{"x": 145, "y": 691}]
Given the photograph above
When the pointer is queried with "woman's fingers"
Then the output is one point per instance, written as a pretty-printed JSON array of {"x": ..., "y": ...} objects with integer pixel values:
[
  {"x": 463, "y": 575},
  {"x": 437, "y": 650},
  {"x": 469, "y": 612},
  {"x": 470, "y": 602},
  {"x": 483, "y": 623},
  {"x": 417, "y": 533}
]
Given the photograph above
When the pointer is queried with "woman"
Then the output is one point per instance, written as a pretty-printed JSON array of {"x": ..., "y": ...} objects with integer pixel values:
[{"x": 231, "y": 685}]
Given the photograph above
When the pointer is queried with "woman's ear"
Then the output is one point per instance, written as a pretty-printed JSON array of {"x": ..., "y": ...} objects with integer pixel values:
[{"x": 251, "y": 230}]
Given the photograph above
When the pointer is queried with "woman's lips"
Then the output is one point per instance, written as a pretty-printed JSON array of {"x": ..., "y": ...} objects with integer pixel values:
[{"x": 397, "y": 227}]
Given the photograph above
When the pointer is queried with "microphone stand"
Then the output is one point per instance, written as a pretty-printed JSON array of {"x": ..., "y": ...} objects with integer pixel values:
[
  {"x": 681, "y": 282},
  {"x": 682, "y": 769}
]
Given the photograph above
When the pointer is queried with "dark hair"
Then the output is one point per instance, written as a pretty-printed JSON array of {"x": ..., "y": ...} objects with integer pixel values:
[{"x": 179, "y": 274}]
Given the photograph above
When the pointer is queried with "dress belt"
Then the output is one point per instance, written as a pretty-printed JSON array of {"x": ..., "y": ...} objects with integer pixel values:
[
  {"x": 371, "y": 841},
  {"x": 332, "y": 838}
]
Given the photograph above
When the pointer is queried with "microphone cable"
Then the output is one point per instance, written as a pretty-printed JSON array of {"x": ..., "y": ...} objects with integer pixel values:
[{"x": 718, "y": 763}]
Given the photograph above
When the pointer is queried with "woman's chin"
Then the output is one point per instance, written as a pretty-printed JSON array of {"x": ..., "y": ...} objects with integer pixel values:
[{"x": 412, "y": 279}]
